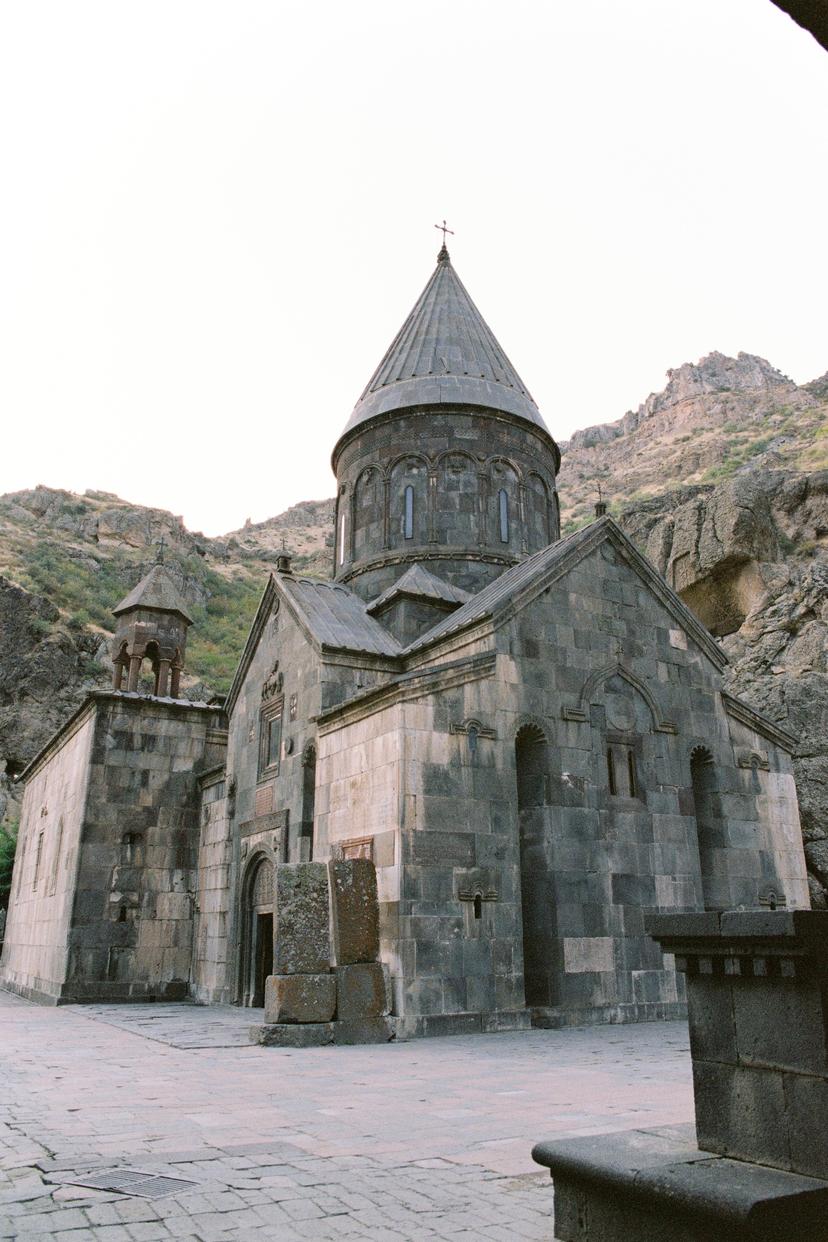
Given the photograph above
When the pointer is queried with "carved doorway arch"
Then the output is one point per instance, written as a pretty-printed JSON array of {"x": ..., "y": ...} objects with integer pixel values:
[{"x": 257, "y": 930}]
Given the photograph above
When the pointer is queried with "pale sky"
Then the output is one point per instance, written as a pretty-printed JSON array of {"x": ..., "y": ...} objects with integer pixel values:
[{"x": 215, "y": 216}]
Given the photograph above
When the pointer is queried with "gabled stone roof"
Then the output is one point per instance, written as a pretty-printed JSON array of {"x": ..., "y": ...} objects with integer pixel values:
[
  {"x": 156, "y": 590},
  {"x": 533, "y": 574},
  {"x": 337, "y": 617},
  {"x": 421, "y": 583},
  {"x": 445, "y": 352}
]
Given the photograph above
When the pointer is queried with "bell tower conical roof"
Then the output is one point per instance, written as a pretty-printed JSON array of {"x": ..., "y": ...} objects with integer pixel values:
[
  {"x": 445, "y": 354},
  {"x": 156, "y": 591}
]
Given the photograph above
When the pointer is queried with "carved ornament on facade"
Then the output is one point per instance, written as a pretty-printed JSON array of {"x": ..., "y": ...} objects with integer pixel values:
[
  {"x": 473, "y": 729},
  {"x": 747, "y": 758},
  {"x": 580, "y": 713},
  {"x": 476, "y": 882},
  {"x": 274, "y": 683}
]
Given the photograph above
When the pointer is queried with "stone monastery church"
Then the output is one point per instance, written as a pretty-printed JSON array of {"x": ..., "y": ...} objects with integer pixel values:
[{"x": 527, "y": 735}]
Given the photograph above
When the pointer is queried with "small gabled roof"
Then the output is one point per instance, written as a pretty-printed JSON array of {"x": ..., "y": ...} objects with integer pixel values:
[
  {"x": 157, "y": 591},
  {"x": 337, "y": 617},
  {"x": 422, "y": 584},
  {"x": 330, "y": 614},
  {"x": 445, "y": 353},
  {"x": 525, "y": 579}
]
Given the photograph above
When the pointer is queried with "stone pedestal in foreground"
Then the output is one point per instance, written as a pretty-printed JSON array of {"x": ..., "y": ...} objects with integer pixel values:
[{"x": 757, "y": 988}]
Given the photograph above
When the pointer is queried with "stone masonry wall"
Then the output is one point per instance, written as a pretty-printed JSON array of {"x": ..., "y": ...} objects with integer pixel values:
[
  {"x": 40, "y": 907},
  {"x": 359, "y": 808},
  {"x": 212, "y": 957},
  {"x": 595, "y": 664},
  {"x": 131, "y": 934}
]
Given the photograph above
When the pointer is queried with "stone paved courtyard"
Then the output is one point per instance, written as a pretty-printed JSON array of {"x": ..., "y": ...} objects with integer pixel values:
[{"x": 419, "y": 1140}]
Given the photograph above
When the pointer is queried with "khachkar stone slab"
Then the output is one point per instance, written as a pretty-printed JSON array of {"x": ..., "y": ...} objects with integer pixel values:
[
  {"x": 302, "y": 932},
  {"x": 300, "y": 998},
  {"x": 355, "y": 910},
  {"x": 757, "y": 991},
  {"x": 360, "y": 991}
]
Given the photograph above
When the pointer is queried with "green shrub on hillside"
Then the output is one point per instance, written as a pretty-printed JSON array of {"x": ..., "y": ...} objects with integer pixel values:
[
  {"x": 8, "y": 844},
  {"x": 87, "y": 588}
]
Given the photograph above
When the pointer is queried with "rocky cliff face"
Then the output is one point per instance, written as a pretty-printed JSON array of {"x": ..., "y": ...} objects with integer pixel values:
[
  {"x": 750, "y": 557},
  {"x": 715, "y": 419},
  {"x": 45, "y": 667}
]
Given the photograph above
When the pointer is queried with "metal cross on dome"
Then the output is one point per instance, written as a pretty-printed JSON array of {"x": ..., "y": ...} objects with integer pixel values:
[
  {"x": 444, "y": 229},
  {"x": 161, "y": 545}
]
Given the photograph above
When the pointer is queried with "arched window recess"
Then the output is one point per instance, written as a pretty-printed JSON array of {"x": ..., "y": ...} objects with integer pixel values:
[{"x": 531, "y": 762}]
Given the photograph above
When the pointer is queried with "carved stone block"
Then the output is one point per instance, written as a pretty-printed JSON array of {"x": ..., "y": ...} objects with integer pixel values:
[
  {"x": 355, "y": 910},
  {"x": 300, "y": 998},
  {"x": 360, "y": 992},
  {"x": 302, "y": 933}
]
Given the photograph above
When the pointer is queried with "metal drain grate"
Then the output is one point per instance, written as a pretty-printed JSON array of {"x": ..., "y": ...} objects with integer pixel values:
[{"x": 133, "y": 1182}]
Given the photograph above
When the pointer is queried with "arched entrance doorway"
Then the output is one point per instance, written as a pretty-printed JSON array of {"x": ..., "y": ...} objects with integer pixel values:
[{"x": 257, "y": 932}]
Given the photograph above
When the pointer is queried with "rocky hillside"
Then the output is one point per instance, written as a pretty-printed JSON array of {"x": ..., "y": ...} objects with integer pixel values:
[
  {"x": 715, "y": 419},
  {"x": 65, "y": 560},
  {"x": 721, "y": 478}
]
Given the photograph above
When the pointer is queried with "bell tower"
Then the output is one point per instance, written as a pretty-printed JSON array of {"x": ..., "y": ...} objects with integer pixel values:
[
  {"x": 152, "y": 625},
  {"x": 446, "y": 462}
]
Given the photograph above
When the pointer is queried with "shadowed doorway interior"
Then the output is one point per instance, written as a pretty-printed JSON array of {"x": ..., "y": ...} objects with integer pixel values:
[{"x": 257, "y": 963}]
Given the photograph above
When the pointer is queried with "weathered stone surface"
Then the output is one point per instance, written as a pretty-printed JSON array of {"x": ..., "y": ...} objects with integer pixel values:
[
  {"x": 360, "y": 991},
  {"x": 293, "y": 1035},
  {"x": 45, "y": 668},
  {"x": 355, "y": 910},
  {"x": 657, "y": 1186},
  {"x": 759, "y": 1032},
  {"x": 302, "y": 932},
  {"x": 300, "y": 998},
  {"x": 363, "y": 1031},
  {"x": 116, "y": 794}
]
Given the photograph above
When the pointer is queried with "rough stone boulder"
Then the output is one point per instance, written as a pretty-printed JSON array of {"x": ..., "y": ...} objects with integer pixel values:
[{"x": 709, "y": 542}]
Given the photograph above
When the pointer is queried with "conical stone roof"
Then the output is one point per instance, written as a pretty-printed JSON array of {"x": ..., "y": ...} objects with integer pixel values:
[
  {"x": 155, "y": 590},
  {"x": 445, "y": 353}
]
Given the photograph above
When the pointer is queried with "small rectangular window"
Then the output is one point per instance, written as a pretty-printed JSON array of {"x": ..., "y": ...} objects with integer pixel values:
[
  {"x": 613, "y": 786},
  {"x": 503, "y": 509},
  {"x": 408, "y": 517},
  {"x": 56, "y": 861},
  {"x": 270, "y": 740},
  {"x": 38, "y": 857},
  {"x": 631, "y": 772}
]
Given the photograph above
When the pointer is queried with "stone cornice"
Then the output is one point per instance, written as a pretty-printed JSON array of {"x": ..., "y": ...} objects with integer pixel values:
[
  {"x": 441, "y": 410},
  {"x": 126, "y": 699},
  {"x": 581, "y": 545},
  {"x": 259, "y": 622},
  {"x": 748, "y": 716},
  {"x": 423, "y": 552},
  {"x": 405, "y": 687}
]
